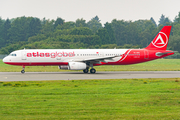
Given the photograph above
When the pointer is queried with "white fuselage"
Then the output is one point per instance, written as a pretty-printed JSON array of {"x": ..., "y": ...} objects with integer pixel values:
[{"x": 62, "y": 56}]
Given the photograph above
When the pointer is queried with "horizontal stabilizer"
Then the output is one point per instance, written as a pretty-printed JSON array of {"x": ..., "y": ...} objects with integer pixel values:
[{"x": 163, "y": 53}]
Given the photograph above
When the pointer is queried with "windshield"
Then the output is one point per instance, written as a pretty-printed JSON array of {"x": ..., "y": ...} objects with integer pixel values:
[{"x": 12, "y": 54}]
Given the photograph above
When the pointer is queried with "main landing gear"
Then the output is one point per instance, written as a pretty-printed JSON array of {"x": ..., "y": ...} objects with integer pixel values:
[
  {"x": 86, "y": 70},
  {"x": 23, "y": 71},
  {"x": 92, "y": 70}
]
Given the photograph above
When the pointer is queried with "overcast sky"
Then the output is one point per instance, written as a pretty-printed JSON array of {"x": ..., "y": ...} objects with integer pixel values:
[{"x": 106, "y": 10}]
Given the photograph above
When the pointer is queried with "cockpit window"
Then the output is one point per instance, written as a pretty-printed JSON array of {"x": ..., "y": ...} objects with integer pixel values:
[{"x": 12, "y": 55}]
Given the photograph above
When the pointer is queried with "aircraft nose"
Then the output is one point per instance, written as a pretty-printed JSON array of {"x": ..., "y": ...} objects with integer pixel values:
[{"x": 5, "y": 59}]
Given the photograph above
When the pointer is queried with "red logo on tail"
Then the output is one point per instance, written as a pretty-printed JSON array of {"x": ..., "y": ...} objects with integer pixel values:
[{"x": 161, "y": 40}]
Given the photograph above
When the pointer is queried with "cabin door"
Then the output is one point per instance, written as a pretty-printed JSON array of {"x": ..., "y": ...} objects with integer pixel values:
[
  {"x": 101, "y": 54},
  {"x": 23, "y": 55},
  {"x": 146, "y": 54}
]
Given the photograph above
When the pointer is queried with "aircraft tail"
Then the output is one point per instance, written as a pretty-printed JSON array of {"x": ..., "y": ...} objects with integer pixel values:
[{"x": 160, "y": 42}]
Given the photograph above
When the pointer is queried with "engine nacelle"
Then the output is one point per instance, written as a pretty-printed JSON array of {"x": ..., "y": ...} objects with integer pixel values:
[
  {"x": 74, "y": 66},
  {"x": 77, "y": 66}
]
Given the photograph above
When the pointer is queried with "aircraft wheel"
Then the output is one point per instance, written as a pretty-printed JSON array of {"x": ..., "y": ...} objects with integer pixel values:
[
  {"x": 22, "y": 71},
  {"x": 93, "y": 71},
  {"x": 85, "y": 70}
]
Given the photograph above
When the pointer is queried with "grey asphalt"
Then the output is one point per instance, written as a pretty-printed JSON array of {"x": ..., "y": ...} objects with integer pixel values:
[{"x": 40, "y": 76}]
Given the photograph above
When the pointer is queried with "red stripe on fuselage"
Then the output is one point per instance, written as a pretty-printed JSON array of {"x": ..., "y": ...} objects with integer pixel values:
[{"x": 36, "y": 63}]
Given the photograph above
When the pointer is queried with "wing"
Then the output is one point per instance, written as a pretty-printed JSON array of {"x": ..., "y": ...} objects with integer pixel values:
[{"x": 97, "y": 59}]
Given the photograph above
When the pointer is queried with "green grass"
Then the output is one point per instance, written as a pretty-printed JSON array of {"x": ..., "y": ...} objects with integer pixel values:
[
  {"x": 91, "y": 99},
  {"x": 156, "y": 65}
]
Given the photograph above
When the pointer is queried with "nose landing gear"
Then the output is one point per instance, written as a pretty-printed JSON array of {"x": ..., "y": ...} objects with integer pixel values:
[{"x": 23, "y": 71}]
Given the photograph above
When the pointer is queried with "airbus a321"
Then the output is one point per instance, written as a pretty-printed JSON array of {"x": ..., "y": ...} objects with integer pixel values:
[{"x": 84, "y": 59}]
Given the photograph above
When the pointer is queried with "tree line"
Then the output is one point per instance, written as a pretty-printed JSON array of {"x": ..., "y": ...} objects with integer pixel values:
[{"x": 33, "y": 33}]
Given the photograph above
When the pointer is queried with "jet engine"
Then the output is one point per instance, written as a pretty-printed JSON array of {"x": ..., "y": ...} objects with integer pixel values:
[{"x": 73, "y": 66}]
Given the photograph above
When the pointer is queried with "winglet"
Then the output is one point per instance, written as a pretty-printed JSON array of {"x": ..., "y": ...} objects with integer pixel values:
[{"x": 160, "y": 42}]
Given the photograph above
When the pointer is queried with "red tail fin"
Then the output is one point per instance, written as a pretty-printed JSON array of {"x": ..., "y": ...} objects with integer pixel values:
[{"x": 160, "y": 42}]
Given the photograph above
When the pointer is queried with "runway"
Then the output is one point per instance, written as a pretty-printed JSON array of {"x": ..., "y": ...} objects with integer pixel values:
[{"x": 40, "y": 76}]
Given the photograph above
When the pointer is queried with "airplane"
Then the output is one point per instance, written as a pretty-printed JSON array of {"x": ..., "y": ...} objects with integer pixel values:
[{"x": 83, "y": 59}]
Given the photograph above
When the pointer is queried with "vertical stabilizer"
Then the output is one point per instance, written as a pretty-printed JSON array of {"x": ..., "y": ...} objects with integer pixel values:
[{"x": 160, "y": 42}]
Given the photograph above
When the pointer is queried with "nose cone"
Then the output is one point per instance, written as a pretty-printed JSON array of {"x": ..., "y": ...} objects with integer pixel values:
[{"x": 5, "y": 60}]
